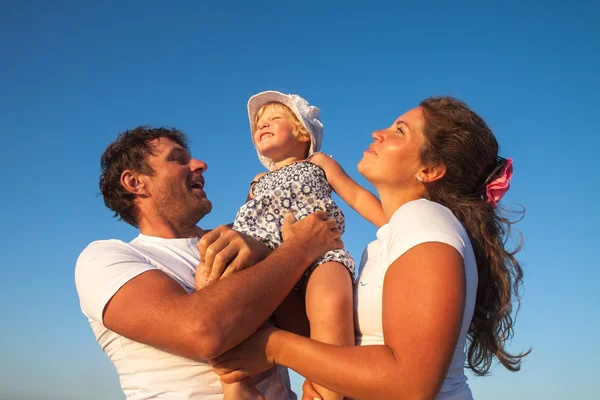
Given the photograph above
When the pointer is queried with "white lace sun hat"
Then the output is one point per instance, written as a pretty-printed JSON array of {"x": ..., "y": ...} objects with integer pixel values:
[{"x": 308, "y": 115}]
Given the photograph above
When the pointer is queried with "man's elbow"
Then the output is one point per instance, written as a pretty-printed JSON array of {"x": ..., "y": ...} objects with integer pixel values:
[{"x": 207, "y": 341}]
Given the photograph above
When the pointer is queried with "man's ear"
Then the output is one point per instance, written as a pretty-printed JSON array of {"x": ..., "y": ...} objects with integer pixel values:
[
  {"x": 433, "y": 173},
  {"x": 132, "y": 183}
]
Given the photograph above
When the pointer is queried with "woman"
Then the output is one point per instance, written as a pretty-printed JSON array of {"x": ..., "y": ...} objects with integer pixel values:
[{"x": 437, "y": 275}]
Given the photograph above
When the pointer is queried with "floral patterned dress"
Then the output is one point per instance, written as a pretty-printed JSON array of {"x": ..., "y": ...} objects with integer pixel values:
[{"x": 300, "y": 188}]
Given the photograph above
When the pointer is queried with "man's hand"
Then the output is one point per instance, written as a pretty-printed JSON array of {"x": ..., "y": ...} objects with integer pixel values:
[
  {"x": 202, "y": 280},
  {"x": 224, "y": 251},
  {"x": 313, "y": 235}
]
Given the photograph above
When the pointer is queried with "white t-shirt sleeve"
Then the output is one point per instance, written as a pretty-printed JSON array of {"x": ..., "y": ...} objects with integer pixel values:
[
  {"x": 102, "y": 269},
  {"x": 423, "y": 222}
]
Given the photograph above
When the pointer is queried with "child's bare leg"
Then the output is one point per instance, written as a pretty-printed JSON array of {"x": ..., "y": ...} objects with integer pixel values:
[
  {"x": 329, "y": 307},
  {"x": 242, "y": 390},
  {"x": 291, "y": 314}
]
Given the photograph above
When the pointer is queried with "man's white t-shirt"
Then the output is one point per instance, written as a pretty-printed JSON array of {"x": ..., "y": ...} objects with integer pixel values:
[
  {"x": 416, "y": 222},
  {"x": 146, "y": 372}
]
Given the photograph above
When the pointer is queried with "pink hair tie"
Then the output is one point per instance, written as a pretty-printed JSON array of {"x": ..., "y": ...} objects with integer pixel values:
[{"x": 498, "y": 182}]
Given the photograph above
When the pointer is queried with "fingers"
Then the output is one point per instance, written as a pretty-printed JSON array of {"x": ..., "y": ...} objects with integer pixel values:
[
  {"x": 224, "y": 253},
  {"x": 239, "y": 262},
  {"x": 331, "y": 224},
  {"x": 207, "y": 239},
  {"x": 227, "y": 370},
  {"x": 337, "y": 235},
  {"x": 333, "y": 228},
  {"x": 318, "y": 215},
  {"x": 289, "y": 218},
  {"x": 212, "y": 253},
  {"x": 201, "y": 280},
  {"x": 322, "y": 215},
  {"x": 216, "y": 251},
  {"x": 234, "y": 376},
  {"x": 309, "y": 392},
  {"x": 227, "y": 373}
]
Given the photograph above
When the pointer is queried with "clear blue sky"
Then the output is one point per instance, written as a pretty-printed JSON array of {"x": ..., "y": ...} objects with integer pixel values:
[{"x": 72, "y": 76}]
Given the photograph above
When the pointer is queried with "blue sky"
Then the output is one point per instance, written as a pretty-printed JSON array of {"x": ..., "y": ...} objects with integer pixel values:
[{"x": 72, "y": 76}]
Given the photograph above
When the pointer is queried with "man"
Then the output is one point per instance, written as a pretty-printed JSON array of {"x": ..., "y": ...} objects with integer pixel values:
[{"x": 139, "y": 296}]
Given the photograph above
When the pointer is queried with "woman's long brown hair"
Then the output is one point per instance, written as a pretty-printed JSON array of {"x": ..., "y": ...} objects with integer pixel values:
[{"x": 460, "y": 140}]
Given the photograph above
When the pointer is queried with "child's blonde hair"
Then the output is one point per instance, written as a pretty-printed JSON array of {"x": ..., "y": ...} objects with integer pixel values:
[{"x": 300, "y": 132}]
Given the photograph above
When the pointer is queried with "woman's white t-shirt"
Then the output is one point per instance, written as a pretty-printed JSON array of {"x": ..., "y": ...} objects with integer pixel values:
[{"x": 415, "y": 222}]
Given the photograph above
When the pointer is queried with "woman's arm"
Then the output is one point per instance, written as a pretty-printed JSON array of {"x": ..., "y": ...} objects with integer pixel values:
[
  {"x": 423, "y": 303},
  {"x": 356, "y": 196}
]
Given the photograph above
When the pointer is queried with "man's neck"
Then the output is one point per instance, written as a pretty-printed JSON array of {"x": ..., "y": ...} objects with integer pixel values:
[{"x": 169, "y": 230}]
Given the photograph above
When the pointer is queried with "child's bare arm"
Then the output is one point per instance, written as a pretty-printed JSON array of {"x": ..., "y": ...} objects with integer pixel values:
[
  {"x": 357, "y": 197},
  {"x": 256, "y": 178}
]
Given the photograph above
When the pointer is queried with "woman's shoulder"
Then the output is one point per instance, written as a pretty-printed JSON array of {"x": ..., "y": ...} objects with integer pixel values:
[
  {"x": 424, "y": 220},
  {"x": 423, "y": 214}
]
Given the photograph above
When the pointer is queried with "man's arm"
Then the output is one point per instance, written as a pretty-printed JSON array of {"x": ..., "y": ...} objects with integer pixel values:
[
  {"x": 224, "y": 252},
  {"x": 153, "y": 309}
]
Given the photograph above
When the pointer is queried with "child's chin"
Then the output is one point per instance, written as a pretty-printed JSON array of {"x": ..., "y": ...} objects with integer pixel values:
[{"x": 268, "y": 151}]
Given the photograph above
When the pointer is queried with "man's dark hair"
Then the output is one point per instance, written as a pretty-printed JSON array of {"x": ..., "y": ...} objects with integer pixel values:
[{"x": 130, "y": 152}]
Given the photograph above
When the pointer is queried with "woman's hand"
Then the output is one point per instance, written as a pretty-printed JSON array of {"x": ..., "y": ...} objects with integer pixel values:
[
  {"x": 249, "y": 358},
  {"x": 309, "y": 392}
]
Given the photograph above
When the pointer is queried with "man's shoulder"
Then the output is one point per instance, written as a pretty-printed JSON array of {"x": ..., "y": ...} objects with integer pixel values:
[
  {"x": 101, "y": 247},
  {"x": 102, "y": 268},
  {"x": 105, "y": 251},
  {"x": 105, "y": 243}
]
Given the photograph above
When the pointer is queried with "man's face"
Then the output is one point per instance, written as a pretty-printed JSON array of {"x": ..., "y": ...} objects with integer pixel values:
[{"x": 176, "y": 189}]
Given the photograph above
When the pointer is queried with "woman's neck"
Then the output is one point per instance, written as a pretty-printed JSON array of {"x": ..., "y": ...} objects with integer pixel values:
[{"x": 394, "y": 198}]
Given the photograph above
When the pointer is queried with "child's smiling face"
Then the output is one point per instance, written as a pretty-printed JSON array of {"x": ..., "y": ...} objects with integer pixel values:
[{"x": 274, "y": 136}]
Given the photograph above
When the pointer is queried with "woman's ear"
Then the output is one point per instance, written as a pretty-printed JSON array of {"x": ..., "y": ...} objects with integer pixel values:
[{"x": 433, "y": 173}]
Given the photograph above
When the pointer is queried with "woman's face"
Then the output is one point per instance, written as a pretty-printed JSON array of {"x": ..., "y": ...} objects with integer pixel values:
[{"x": 392, "y": 160}]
